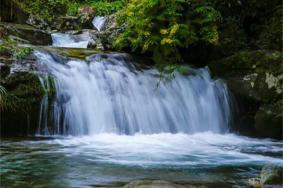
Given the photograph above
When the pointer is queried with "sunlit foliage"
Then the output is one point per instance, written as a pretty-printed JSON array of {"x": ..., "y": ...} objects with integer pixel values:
[{"x": 162, "y": 27}]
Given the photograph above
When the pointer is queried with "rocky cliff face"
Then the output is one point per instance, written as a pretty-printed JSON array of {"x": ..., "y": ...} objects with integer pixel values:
[{"x": 255, "y": 78}]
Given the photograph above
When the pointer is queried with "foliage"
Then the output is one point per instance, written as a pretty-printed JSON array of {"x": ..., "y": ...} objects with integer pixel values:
[
  {"x": 11, "y": 47},
  {"x": 159, "y": 27},
  {"x": 51, "y": 9},
  {"x": 46, "y": 9},
  {"x": 103, "y": 7},
  {"x": 73, "y": 8}
]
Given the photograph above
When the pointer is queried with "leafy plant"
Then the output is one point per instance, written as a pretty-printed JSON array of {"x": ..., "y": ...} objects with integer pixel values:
[
  {"x": 103, "y": 7},
  {"x": 159, "y": 27},
  {"x": 21, "y": 53}
]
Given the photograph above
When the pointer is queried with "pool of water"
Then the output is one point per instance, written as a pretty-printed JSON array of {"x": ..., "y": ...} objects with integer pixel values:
[{"x": 111, "y": 160}]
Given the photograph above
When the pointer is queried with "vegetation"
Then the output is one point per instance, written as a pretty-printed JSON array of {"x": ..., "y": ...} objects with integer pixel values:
[
  {"x": 11, "y": 48},
  {"x": 103, "y": 7},
  {"x": 161, "y": 28},
  {"x": 50, "y": 9}
]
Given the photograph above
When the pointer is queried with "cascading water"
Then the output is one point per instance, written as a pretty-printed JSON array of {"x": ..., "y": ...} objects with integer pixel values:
[
  {"x": 98, "y": 22},
  {"x": 124, "y": 124},
  {"x": 71, "y": 41},
  {"x": 106, "y": 94}
]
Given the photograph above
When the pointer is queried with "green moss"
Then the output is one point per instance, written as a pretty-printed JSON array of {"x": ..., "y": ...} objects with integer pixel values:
[
  {"x": 23, "y": 91},
  {"x": 48, "y": 9},
  {"x": 10, "y": 47}
]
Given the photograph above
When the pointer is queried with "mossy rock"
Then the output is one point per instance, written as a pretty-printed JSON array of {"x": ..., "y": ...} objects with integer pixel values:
[
  {"x": 253, "y": 74},
  {"x": 24, "y": 88},
  {"x": 255, "y": 79},
  {"x": 271, "y": 175},
  {"x": 20, "y": 105},
  {"x": 268, "y": 120},
  {"x": 27, "y": 33}
]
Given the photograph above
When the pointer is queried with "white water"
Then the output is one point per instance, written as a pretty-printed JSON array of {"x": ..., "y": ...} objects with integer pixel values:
[
  {"x": 107, "y": 94},
  {"x": 70, "y": 41},
  {"x": 98, "y": 22},
  {"x": 200, "y": 150}
]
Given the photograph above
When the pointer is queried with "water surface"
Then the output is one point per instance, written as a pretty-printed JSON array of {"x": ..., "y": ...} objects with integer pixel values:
[{"x": 111, "y": 160}]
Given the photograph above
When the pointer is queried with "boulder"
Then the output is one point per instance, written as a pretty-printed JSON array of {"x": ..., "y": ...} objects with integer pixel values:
[
  {"x": 38, "y": 23},
  {"x": 268, "y": 120},
  {"x": 105, "y": 38},
  {"x": 27, "y": 33},
  {"x": 255, "y": 79},
  {"x": 271, "y": 175},
  {"x": 19, "y": 106},
  {"x": 81, "y": 21}
]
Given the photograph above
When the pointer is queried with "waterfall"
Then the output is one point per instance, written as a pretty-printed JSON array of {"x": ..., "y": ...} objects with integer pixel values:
[
  {"x": 106, "y": 93},
  {"x": 98, "y": 22},
  {"x": 70, "y": 41}
]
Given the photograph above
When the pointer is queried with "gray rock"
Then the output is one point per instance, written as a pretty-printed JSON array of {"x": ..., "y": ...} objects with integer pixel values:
[
  {"x": 27, "y": 33},
  {"x": 38, "y": 23},
  {"x": 255, "y": 79},
  {"x": 271, "y": 175},
  {"x": 254, "y": 182}
]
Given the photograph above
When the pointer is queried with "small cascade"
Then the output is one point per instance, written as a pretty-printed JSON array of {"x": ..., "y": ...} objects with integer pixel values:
[
  {"x": 98, "y": 22},
  {"x": 107, "y": 94},
  {"x": 43, "y": 113},
  {"x": 71, "y": 41}
]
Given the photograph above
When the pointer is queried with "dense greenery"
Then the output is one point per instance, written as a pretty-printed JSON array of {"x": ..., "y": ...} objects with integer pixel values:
[
  {"x": 161, "y": 27},
  {"x": 103, "y": 7},
  {"x": 50, "y": 9}
]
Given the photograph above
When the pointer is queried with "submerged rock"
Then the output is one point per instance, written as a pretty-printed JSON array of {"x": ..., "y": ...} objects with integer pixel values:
[
  {"x": 255, "y": 78},
  {"x": 271, "y": 176},
  {"x": 157, "y": 184}
]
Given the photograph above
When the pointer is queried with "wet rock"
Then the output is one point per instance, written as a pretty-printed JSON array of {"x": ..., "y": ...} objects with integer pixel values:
[
  {"x": 105, "y": 38},
  {"x": 268, "y": 120},
  {"x": 271, "y": 175},
  {"x": 70, "y": 23},
  {"x": 86, "y": 15},
  {"x": 26, "y": 32},
  {"x": 153, "y": 184},
  {"x": 81, "y": 21},
  {"x": 255, "y": 79},
  {"x": 253, "y": 74},
  {"x": 19, "y": 107},
  {"x": 38, "y": 23},
  {"x": 254, "y": 182}
]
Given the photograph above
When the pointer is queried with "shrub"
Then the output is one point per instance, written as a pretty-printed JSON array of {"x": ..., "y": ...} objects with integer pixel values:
[
  {"x": 103, "y": 7},
  {"x": 160, "y": 27}
]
